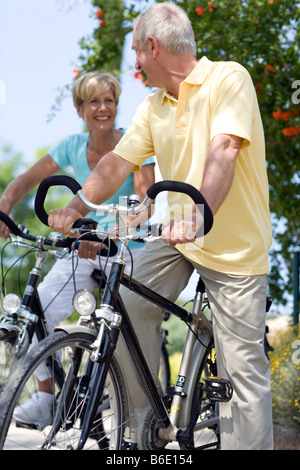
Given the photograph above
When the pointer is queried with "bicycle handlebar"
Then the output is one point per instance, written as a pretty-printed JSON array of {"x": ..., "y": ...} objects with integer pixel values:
[
  {"x": 10, "y": 224},
  {"x": 65, "y": 243},
  {"x": 58, "y": 180},
  {"x": 185, "y": 188},
  {"x": 153, "y": 191}
]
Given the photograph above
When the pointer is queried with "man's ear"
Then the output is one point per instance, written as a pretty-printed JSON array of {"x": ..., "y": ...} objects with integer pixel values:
[{"x": 154, "y": 45}]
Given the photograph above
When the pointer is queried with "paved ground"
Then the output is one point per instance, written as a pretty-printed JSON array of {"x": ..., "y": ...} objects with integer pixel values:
[{"x": 22, "y": 440}]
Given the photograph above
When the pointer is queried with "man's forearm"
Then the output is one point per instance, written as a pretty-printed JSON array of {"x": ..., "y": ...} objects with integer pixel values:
[
  {"x": 219, "y": 170},
  {"x": 105, "y": 179},
  {"x": 109, "y": 174}
]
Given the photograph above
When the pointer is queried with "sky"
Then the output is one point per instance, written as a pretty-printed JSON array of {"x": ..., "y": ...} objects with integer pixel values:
[{"x": 38, "y": 52}]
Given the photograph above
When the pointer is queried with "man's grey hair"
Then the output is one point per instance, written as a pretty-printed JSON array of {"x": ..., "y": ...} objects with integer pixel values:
[{"x": 170, "y": 25}]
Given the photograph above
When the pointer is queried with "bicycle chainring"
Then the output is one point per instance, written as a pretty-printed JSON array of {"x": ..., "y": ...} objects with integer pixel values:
[{"x": 147, "y": 434}]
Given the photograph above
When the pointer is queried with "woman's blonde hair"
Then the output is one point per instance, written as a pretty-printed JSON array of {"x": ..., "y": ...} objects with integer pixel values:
[{"x": 91, "y": 84}]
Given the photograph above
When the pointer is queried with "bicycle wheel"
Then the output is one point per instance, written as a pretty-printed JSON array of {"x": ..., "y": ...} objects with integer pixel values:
[
  {"x": 60, "y": 427},
  {"x": 204, "y": 429},
  {"x": 7, "y": 356},
  {"x": 164, "y": 369}
]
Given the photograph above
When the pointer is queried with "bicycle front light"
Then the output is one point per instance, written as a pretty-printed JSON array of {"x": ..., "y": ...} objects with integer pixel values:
[
  {"x": 11, "y": 303},
  {"x": 84, "y": 302}
]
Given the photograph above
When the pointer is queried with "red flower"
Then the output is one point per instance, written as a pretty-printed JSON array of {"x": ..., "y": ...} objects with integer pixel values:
[
  {"x": 99, "y": 14},
  {"x": 76, "y": 72},
  {"x": 294, "y": 112},
  {"x": 258, "y": 87},
  {"x": 211, "y": 6},
  {"x": 269, "y": 68},
  {"x": 138, "y": 75},
  {"x": 277, "y": 114},
  {"x": 199, "y": 11},
  {"x": 290, "y": 131},
  {"x": 283, "y": 115}
]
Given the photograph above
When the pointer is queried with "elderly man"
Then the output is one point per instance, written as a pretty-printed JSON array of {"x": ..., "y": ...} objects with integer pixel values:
[{"x": 204, "y": 126}]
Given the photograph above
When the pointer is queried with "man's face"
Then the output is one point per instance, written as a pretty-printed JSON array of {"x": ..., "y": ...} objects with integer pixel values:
[{"x": 144, "y": 60}]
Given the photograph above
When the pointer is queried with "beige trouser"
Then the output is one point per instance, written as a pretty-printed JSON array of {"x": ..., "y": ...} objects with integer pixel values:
[{"x": 238, "y": 309}]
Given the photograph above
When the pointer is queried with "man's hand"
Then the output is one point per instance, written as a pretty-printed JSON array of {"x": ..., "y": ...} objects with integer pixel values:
[
  {"x": 62, "y": 220},
  {"x": 183, "y": 230}
]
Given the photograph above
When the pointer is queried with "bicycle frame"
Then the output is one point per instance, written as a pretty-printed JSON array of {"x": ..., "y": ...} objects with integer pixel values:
[
  {"x": 112, "y": 310},
  {"x": 105, "y": 345},
  {"x": 31, "y": 311}
]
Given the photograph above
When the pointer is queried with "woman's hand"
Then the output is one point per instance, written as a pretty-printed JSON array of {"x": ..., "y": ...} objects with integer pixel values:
[
  {"x": 4, "y": 231},
  {"x": 88, "y": 249}
]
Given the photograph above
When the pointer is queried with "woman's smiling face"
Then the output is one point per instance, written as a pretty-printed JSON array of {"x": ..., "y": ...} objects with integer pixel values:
[{"x": 100, "y": 111}]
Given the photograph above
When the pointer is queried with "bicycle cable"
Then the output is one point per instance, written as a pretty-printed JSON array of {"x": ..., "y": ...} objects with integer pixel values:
[
  {"x": 189, "y": 326},
  {"x": 12, "y": 265}
]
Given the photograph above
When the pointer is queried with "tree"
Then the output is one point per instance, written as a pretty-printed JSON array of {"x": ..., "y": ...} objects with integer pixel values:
[
  {"x": 24, "y": 214},
  {"x": 262, "y": 35}
]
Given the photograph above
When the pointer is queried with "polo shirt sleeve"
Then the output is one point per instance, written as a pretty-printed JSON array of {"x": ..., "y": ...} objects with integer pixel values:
[
  {"x": 233, "y": 107},
  {"x": 137, "y": 145}
]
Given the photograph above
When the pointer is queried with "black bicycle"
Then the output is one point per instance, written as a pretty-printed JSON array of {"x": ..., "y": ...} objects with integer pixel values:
[
  {"x": 91, "y": 407},
  {"x": 23, "y": 315}
]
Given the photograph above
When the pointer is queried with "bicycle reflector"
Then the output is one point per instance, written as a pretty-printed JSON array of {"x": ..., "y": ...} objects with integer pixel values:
[
  {"x": 84, "y": 302},
  {"x": 11, "y": 303}
]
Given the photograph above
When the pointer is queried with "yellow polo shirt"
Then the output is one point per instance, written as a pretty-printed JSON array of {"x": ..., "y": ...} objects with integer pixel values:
[{"x": 216, "y": 98}]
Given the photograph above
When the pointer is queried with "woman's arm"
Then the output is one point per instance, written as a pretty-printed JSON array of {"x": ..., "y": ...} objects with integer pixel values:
[{"x": 22, "y": 184}]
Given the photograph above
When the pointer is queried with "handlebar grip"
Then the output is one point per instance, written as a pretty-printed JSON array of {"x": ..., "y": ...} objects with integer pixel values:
[
  {"x": 10, "y": 224},
  {"x": 58, "y": 180},
  {"x": 180, "y": 187},
  {"x": 110, "y": 250}
]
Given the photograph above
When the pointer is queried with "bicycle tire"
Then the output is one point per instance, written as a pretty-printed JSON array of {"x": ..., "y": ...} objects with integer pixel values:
[
  {"x": 107, "y": 431},
  {"x": 202, "y": 431},
  {"x": 206, "y": 430},
  {"x": 8, "y": 358},
  {"x": 164, "y": 369}
]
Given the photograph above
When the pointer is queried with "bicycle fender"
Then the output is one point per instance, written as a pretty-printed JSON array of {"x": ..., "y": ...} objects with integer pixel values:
[{"x": 69, "y": 329}]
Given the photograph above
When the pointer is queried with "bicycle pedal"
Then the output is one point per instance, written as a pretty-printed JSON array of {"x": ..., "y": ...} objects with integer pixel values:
[
  {"x": 218, "y": 389},
  {"x": 21, "y": 425},
  {"x": 33, "y": 426}
]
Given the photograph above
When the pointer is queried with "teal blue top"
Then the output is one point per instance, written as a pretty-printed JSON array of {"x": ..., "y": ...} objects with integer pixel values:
[{"x": 72, "y": 151}]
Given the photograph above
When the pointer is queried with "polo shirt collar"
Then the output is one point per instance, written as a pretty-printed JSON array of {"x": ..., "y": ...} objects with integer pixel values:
[
  {"x": 196, "y": 77},
  {"x": 200, "y": 72}
]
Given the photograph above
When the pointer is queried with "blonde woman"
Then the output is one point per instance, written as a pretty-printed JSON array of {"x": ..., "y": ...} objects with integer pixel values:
[{"x": 95, "y": 96}]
